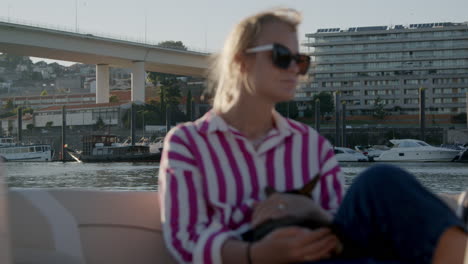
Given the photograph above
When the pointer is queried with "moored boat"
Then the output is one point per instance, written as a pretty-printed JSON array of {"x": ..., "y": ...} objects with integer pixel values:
[
  {"x": 462, "y": 156},
  {"x": 155, "y": 146},
  {"x": 347, "y": 154},
  {"x": 106, "y": 148},
  {"x": 11, "y": 151},
  {"x": 416, "y": 150}
]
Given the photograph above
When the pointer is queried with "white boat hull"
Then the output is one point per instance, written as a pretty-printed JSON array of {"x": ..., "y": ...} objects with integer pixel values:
[
  {"x": 416, "y": 155},
  {"x": 26, "y": 153},
  {"x": 349, "y": 155}
]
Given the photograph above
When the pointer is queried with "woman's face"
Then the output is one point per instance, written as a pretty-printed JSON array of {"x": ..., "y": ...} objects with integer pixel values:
[{"x": 270, "y": 82}]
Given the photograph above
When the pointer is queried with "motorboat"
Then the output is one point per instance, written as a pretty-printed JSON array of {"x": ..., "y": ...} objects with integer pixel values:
[
  {"x": 155, "y": 146},
  {"x": 347, "y": 154},
  {"x": 78, "y": 226},
  {"x": 462, "y": 156},
  {"x": 12, "y": 151},
  {"x": 416, "y": 150},
  {"x": 88, "y": 226},
  {"x": 106, "y": 148},
  {"x": 371, "y": 152}
]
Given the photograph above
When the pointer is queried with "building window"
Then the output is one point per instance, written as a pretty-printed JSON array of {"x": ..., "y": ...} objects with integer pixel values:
[
  {"x": 447, "y": 90},
  {"x": 411, "y": 91},
  {"x": 411, "y": 100}
]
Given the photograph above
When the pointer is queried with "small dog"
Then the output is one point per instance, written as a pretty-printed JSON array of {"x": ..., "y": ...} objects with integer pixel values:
[
  {"x": 268, "y": 226},
  {"x": 310, "y": 222}
]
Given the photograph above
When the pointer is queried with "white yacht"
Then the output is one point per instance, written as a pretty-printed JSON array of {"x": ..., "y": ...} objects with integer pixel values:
[
  {"x": 11, "y": 151},
  {"x": 155, "y": 146},
  {"x": 416, "y": 150},
  {"x": 371, "y": 152},
  {"x": 347, "y": 154}
]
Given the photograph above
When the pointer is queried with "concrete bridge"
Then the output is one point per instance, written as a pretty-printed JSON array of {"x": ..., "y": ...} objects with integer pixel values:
[{"x": 103, "y": 52}]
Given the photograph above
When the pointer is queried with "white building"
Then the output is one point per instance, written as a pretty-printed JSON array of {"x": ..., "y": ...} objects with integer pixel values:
[
  {"x": 82, "y": 115},
  {"x": 38, "y": 102},
  {"x": 391, "y": 63},
  {"x": 9, "y": 125}
]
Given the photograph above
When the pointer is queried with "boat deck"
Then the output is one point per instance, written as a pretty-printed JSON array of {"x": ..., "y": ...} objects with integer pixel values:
[{"x": 85, "y": 226}]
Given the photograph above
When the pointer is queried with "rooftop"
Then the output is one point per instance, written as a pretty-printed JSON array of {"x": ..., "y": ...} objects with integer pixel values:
[
  {"x": 392, "y": 27},
  {"x": 83, "y": 106}
]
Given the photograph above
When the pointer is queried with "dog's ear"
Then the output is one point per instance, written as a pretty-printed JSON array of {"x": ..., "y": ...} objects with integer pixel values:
[
  {"x": 309, "y": 187},
  {"x": 270, "y": 190}
]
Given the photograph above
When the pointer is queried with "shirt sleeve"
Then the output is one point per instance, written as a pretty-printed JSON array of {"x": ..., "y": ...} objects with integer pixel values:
[
  {"x": 192, "y": 232},
  {"x": 332, "y": 180}
]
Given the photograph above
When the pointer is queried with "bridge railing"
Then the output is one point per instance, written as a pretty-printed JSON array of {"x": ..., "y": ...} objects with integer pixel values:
[{"x": 66, "y": 29}]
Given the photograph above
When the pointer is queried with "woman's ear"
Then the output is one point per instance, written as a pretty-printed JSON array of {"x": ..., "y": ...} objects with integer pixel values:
[{"x": 241, "y": 60}]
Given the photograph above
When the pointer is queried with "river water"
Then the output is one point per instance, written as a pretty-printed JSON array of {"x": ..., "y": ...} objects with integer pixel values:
[{"x": 439, "y": 177}]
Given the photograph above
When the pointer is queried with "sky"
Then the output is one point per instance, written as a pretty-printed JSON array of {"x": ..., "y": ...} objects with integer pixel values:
[{"x": 204, "y": 24}]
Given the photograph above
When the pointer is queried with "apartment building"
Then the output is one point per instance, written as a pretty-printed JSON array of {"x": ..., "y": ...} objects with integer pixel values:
[{"x": 391, "y": 64}]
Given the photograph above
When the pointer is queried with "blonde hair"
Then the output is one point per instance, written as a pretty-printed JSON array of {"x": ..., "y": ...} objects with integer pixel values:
[{"x": 225, "y": 77}]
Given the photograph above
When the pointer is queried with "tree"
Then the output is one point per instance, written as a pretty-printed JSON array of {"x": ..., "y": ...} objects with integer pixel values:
[
  {"x": 36, "y": 76},
  {"x": 26, "y": 110},
  {"x": 30, "y": 127},
  {"x": 44, "y": 93},
  {"x": 10, "y": 61},
  {"x": 397, "y": 109},
  {"x": 172, "y": 94},
  {"x": 49, "y": 124},
  {"x": 459, "y": 118},
  {"x": 169, "y": 93},
  {"x": 150, "y": 112},
  {"x": 100, "y": 124},
  {"x": 171, "y": 44},
  {"x": 327, "y": 105},
  {"x": 58, "y": 69},
  {"x": 114, "y": 99},
  {"x": 159, "y": 78},
  {"x": 9, "y": 105},
  {"x": 292, "y": 112},
  {"x": 379, "y": 110}
]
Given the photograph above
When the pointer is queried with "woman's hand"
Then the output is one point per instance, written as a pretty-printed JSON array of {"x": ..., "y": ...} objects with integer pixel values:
[
  {"x": 283, "y": 204},
  {"x": 294, "y": 244}
]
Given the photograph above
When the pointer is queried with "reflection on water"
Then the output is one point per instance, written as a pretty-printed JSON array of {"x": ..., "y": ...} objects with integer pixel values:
[
  {"x": 440, "y": 177},
  {"x": 115, "y": 176}
]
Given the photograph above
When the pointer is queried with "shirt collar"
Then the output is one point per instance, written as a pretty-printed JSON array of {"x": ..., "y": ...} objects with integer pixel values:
[{"x": 211, "y": 123}]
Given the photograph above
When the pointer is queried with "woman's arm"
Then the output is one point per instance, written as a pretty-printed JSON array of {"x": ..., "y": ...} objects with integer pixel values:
[
  {"x": 285, "y": 245},
  {"x": 193, "y": 233},
  {"x": 331, "y": 183}
]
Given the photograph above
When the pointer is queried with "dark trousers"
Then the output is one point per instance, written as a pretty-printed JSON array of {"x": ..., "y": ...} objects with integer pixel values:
[{"x": 388, "y": 217}]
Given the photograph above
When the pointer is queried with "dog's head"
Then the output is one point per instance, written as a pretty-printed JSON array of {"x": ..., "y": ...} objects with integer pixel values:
[{"x": 306, "y": 190}]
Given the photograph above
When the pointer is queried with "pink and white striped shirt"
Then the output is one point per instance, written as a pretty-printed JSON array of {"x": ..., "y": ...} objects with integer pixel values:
[{"x": 210, "y": 175}]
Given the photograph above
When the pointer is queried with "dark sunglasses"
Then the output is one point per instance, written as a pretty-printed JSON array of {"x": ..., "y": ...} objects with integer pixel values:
[{"x": 282, "y": 57}]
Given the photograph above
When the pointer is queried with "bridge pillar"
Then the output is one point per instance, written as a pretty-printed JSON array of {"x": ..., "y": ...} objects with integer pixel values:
[
  {"x": 102, "y": 83},
  {"x": 138, "y": 81}
]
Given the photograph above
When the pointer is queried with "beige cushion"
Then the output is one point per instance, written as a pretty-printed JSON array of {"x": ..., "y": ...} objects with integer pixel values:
[
  {"x": 38, "y": 256},
  {"x": 5, "y": 250},
  {"x": 95, "y": 227},
  {"x": 82, "y": 226}
]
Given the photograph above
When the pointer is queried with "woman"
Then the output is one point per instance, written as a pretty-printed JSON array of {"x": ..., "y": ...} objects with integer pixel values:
[{"x": 214, "y": 170}]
